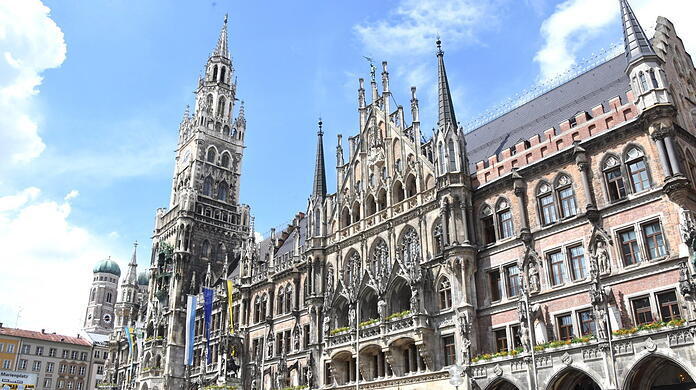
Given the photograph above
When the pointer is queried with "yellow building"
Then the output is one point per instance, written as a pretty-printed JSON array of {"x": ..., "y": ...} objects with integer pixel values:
[{"x": 9, "y": 348}]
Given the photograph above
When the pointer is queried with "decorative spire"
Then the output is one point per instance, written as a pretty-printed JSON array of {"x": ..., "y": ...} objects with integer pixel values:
[
  {"x": 319, "y": 189},
  {"x": 221, "y": 47},
  {"x": 132, "y": 275},
  {"x": 636, "y": 42},
  {"x": 445, "y": 107}
]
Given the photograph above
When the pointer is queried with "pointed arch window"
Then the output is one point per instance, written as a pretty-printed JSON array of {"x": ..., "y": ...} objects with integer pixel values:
[
  {"x": 317, "y": 222},
  {"x": 281, "y": 301},
  {"x": 223, "y": 71},
  {"x": 441, "y": 157},
  {"x": 410, "y": 246},
  {"x": 223, "y": 190},
  {"x": 221, "y": 106},
  {"x": 91, "y": 297},
  {"x": 643, "y": 82},
  {"x": 215, "y": 72},
  {"x": 487, "y": 225},
  {"x": 226, "y": 157},
  {"x": 208, "y": 186},
  {"x": 653, "y": 79},
  {"x": 566, "y": 197},
  {"x": 504, "y": 215},
  {"x": 205, "y": 249},
  {"x": 211, "y": 156},
  {"x": 288, "y": 299},
  {"x": 547, "y": 204},
  {"x": 108, "y": 297},
  {"x": 445, "y": 292},
  {"x": 452, "y": 156},
  {"x": 637, "y": 170},
  {"x": 616, "y": 188}
]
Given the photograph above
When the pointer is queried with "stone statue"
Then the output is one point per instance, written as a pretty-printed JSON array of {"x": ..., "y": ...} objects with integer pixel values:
[
  {"x": 415, "y": 307},
  {"x": 329, "y": 280},
  {"x": 296, "y": 336},
  {"x": 524, "y": 336},
  {"x": 688, "y": 230},
  {"x": 382, "y": 308},
  {"x": 351, "y": 316},
  {"x": 327, "y": 324},
  {"x": 533, "y": 278},
  {"x": 603, "y": 259}
]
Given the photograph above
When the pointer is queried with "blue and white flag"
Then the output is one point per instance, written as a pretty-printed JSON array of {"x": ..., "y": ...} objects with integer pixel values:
[
  {"x": 207, "y": 313},
  {"x": 129, "y": 337},
  {"x": 190, "y": 329}
]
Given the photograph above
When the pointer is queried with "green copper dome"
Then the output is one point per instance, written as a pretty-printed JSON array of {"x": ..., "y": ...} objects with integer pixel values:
[
  {"x": 107, "y": 266},
  {"x": 143, "y": 278}
]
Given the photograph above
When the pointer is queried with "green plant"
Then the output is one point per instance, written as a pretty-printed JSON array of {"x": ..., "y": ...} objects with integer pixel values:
[
  {"x": 401, "y": 314},
  {"x": 649, "y": 326},
  {"x": 295, "y": 387},
  {"x": 338, "y": 330},
  {"x": 368, "y": 322}
]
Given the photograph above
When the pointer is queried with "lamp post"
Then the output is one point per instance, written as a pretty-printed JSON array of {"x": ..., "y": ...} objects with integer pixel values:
[{"x": 456, "y": 379}]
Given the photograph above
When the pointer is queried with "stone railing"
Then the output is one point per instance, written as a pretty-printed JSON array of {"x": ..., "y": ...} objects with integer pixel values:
[{"x": 374, "y": 330}]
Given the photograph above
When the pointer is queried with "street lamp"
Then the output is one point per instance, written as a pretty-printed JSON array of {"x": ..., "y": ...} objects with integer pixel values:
[{"x": 455, "y": 379}]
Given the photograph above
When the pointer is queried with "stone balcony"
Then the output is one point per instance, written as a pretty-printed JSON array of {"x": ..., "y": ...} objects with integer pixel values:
[
  {"x": 593, "y": 360},
  {"x": 378, "y": 332}
]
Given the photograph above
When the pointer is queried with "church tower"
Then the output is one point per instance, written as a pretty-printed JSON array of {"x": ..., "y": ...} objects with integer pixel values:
[
  {"x": 205, "y": 226},
  {"x": 99, "y": 317}
]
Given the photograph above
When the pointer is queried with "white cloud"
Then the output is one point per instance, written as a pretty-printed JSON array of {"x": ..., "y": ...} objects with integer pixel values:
[
  {"x": 411, "y": 28},
  {"x": 573, "y": 22},
  {"x": 30, "y": 42},
  {"x": 46, "y": 262}
]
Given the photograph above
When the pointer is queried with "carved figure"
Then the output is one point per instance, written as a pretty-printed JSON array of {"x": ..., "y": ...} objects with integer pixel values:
[
  {"x": 533, "y": 277},
  {"x": 415, "y": 307},
  {"x": 603, "y": 259},
  {"x": 382, "y": 308}
]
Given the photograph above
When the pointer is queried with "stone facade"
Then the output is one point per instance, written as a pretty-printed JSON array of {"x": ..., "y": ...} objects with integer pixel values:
[{"x": 564, "y": 260}]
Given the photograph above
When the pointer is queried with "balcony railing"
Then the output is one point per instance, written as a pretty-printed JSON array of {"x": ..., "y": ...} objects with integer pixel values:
[{"x": 400, "y": 322}]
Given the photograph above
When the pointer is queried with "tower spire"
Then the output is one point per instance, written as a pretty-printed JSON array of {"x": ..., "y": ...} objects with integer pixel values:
[
  {"x": 132, "y": 274},
  {"x": 636, "y": 42},
  {"x": 319, "y": 189},
  {"x": 445, "y": 107},
  {"x": 221, "y": 47}
]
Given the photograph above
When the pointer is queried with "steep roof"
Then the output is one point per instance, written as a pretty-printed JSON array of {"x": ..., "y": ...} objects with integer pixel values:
[
  {"x": 590, "y": 89},
  {"x": 636, "y": 42},
  {"x": 30, "y": 334}
]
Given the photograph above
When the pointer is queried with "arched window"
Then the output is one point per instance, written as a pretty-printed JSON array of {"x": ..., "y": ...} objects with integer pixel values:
[
  {"x": 215, "y": 73},
  {"x": 108, "y": 297},
  {"x": 411, "y": 186},
  {"x": 637, "y": 170},
  {"x": 380, "y": 265},
  {"x": 211, "y": 156},
  {"x": 566, "y": 196},
  {"x": 205, "y": 249},
  {"x": 691, "y": 164},
  {"x": 410, "y": 246},
  {"x": 614, "y": 178},
  {"x": 487, "y": 225},
  {"x": 452, "y": 156},
  {"x": 221, "y": 106},
  {"x": 345, "y": 217},
  {"x": 351, "y": 268},
  {"x": 91, "y": 296},
  {"x": 438, "y": 239},
  {"x": 504, "y": 215},
  {"x": 547, "y": 204},
  {"x": 356, "y": 212},
  {"x": 257, "y": 309},
  {"x": 226, "y": 159},
  {"x": 382, "y": 200},
  {"x": 222, "y": 74},
  {"x": 223, "y": 189},
  {"x": 653, "y": 79},
  {"x": 445, "y": 293},
  {"x": 370, "y": 205},
  {"x": 288, "y": 299},
  {"x": 280, "y": 301},
  {"x": 317, "y": 222},
  {"x": 441, "y": 157},
  {"x": 643, "y": 82},
  {"x": 208, "y": 186},
  {"x": 398, "y": 192}
]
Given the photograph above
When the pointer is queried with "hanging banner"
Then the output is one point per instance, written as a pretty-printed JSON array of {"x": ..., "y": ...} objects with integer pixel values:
[
  {"x": 230, "y": 302},
  {"x": 129, "y": 336},
  {"x": 190, "y": 329},
  {"x": 207, "y": 314},
  {"x": 139, "y": 335}
]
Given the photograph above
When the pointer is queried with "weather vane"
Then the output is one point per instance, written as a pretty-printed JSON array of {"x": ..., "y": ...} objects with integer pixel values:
[{"x": 372, "y": 67}]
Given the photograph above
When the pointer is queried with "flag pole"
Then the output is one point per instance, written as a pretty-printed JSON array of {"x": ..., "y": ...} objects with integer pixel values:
[{"x": 357, "y": 344}]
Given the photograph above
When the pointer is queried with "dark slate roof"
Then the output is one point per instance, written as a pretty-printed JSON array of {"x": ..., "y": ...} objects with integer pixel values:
[
  {"x": 297, "y": 234},
  {"x": 590, "y": 89}
]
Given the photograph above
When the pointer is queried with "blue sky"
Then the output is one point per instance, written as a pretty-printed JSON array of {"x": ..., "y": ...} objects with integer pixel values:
[{"x": 91, "y": 95}]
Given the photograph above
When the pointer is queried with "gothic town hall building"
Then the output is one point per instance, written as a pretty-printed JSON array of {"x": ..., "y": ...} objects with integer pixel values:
[{"x": 552, "y": 247}]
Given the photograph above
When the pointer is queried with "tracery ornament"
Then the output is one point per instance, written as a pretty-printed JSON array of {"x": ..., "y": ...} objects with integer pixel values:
[
  {"x": 380, "y": 267},
  {"x": 611, "y": 162},
  {"x": 544, "y": 188},
  {"x": 563, "y": 181}
]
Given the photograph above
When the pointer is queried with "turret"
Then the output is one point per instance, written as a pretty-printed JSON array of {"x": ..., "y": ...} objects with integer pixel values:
[{"x": 644, "y": 67}]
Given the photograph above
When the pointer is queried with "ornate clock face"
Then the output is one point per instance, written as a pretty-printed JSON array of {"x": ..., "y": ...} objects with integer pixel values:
[{"x": 107, "y": 318}]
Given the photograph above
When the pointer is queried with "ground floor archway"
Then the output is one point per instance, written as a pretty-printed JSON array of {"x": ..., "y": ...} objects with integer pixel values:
[
  {"x": 573, "y": 379},
  {"x": 658, "y": 373}
]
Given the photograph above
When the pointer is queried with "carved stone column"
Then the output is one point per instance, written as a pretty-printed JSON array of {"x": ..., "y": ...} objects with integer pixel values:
[
  {"x": 443, "y": 220},
  {"x": 662, "y": 153},
  {"x": 465, "y": 221},
  {"x": 673, "y": 157},
  {"x": 520, "y": 188},
  {"x": 584, "y": 167}
]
